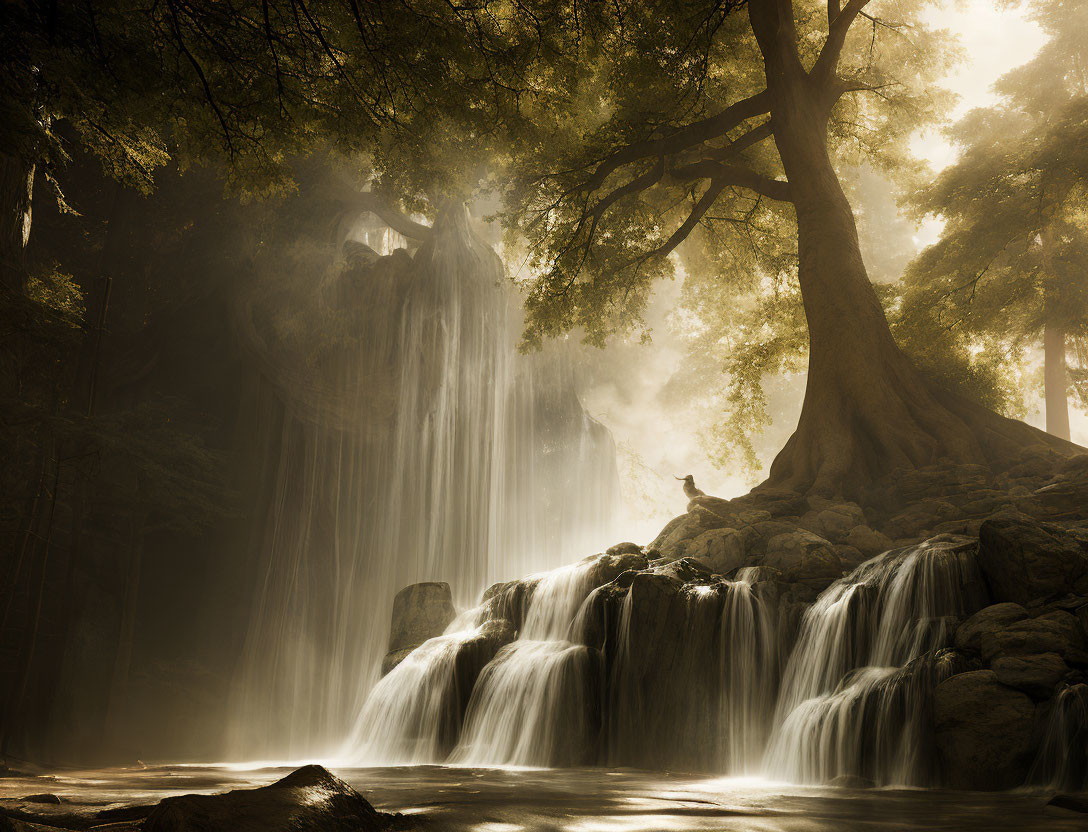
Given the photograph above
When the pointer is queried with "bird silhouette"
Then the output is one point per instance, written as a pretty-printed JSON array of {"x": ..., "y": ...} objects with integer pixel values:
[{"x": 690, "y": 491}]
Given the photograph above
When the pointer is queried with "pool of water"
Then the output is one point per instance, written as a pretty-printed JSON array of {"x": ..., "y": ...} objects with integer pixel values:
[{"x": 579, "y": 800}]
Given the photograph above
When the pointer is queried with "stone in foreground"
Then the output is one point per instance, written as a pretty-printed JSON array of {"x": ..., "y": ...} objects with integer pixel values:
[{"x": 307, "y": 800}]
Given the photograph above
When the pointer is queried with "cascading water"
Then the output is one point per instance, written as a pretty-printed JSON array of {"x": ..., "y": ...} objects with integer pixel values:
[
  {"x": 855, "y": 690},
  {"x": 409, "y": 442},
  {"x": 624, "y": 664},
  {"x": 1062, "y": 762}
]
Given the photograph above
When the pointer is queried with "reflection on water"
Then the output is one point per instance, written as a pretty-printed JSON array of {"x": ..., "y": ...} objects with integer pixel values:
[{"x": 587, "y": 800}]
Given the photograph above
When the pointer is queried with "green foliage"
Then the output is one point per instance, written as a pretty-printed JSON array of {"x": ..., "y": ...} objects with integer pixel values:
[{"x": 1013, "y": 256}]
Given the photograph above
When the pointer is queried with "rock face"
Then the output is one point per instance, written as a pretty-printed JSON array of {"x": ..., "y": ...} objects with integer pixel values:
[
  {"x": 1053, "y": 632},
  {"x": 307, "y": 799},
  {"x": 420, "y": 612},
  {"x": 983, "y": 731},
  {"x": 1024, "y": 559},
  {"x": 987, "y": 620}
]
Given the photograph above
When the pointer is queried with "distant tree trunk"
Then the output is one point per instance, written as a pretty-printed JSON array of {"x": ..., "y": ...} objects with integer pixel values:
[
  {"x": 16, "y": 192},
  {"x": 1055, "y": 380},
  {"x": 867, "y": 409}
]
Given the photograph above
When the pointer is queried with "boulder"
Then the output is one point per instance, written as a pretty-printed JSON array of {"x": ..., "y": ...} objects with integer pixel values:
[
  {"x": 983, "y": 731},
  {"x": 627, "y": 548},
  {"x": 1072, "y": 802},
  {"x": 802, "y": 556},
  {"x": 1025, "y": 559},
  {"x": 1037, "y": 675},
  {"x": 420, "y": 612},
  {"x": 867, "y": 541},
  {"x": 834, "y": 521},
  {"x": 679, "y": 530},
  {"x": 920, "y": 518},
  {"x": 307, "y": 799},
  {"x": 1053, "y": 632},
  {"x": 987, "y": 620},
  {"x": 719, "y": 550}
]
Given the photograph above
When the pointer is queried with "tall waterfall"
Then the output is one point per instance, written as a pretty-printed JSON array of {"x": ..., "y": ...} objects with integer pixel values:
[
  {"x": 620, "y": 662},
  {"x": 408, "y": 441}
]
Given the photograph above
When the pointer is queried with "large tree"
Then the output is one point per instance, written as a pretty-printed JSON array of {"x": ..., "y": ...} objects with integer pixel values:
[
  {"x": 1011, "y": 266},
  {"x": 728, "y": 122}
]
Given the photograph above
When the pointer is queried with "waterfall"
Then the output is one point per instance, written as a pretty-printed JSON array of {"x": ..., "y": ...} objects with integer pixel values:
[
  {"x": 855, "y": 690},
  {"x": 406, "y": 440},
  {"x": 1062, "y": 761}
]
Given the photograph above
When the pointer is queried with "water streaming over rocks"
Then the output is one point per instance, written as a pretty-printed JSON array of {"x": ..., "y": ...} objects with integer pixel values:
[
  {"x": 410, "y": 443},
  {"x": 625, "y": 663}
]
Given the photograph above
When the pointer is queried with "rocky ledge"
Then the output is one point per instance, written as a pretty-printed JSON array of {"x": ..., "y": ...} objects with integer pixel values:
[{"x": 1013, "y": 665}]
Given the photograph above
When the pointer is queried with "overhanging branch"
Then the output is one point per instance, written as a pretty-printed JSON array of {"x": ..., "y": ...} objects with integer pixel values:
[{"x": 395, "y": 219}]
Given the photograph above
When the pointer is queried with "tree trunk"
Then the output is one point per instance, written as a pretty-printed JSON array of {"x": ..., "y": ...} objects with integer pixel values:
[
  {"x": 16, "y": 190},
  {"x": 1055, "y": 380},
  {"x": 867, "y": 409}
]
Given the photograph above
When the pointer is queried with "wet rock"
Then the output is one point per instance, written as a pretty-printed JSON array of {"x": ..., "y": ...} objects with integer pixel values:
[
  {"x": 420, "y": 611},
  {"x": 803, "y": 556},
  {"x": 987, "y": 620},
  {"x": 395, "y": 657},
  {"x": 611, "y": 565},
  {"x": 867, "y": 541},
  {"x": 307, "y": 799},
  {"x": 983, "y": 731},
  {"x": 851, "y": 558},
  {"x": 719, "y": 550},
  {"x": 627, "y": 548},
  {"x": 1072, "y": 802},
  {"x": 1053, "y": 632},
  {"x": 50, "y": 799},
  {"x": 1024, "y": 559},
  {"x": 1036, "y": 675}
]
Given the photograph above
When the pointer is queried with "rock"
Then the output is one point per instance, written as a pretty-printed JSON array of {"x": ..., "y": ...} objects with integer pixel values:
[
  {"x": 1066, "y": 495},
  {"x": 420, "y": 612},
  {"x": 624, "y": 549},
  {"x": 983, "y": 731},
  {"x": 920, "y": 517},
  {"x": 851, "y": 781},
  {"x": 670, "y": 541},
  {"x": 1072, "y": 802},
  {"x": 307, "y": 799},
  {"x": 868, "y": 541},
  {"x": 835, "y": 521},
  {"x": 1053, "y": 632},
  {"x": 42, "y": 798},
  {"x": 802, "y": 556},
  {"x": 851, "y": 558},
  {"x": 987, "y": 620},
  {"x": 611, "y": 565},
  {"x": 1037, "y": 675},
  {"x": 395, "y": 657},
  {"x": 1024, "y": 559},
  {"x": 719, "y": 550}
]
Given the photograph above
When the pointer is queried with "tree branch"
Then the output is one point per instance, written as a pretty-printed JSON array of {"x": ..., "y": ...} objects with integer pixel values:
[
  {"x": 681, "y": 139},
  {"x": 739, "y": 175},
  {"x": 824, "y": 68}
]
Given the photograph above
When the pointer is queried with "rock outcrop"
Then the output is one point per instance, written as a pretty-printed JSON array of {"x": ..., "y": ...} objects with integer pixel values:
[
  {"x": 420, "y": 612},
  {"x": 307, "y": 800}
]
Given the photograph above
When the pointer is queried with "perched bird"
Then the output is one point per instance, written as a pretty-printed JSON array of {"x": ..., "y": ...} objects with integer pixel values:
[{"x": 690, "y": 491}]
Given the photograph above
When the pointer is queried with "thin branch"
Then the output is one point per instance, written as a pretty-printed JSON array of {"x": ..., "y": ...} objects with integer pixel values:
[{"x": 824, "y": 68}]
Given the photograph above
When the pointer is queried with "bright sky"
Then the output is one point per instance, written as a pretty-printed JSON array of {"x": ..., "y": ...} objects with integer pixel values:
[{"x": 994, "y": 41}]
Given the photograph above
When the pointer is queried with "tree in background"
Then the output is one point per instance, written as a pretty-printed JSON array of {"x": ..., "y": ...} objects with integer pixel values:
[{"x": 1011, "y": 267}]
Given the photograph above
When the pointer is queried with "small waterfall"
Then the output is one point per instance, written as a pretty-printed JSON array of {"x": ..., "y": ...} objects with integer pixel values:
[
  {"x": 855, "y": 691},
  {"x": 1062, "y": 761},
  {"x": 693, "y": 676},
  {"x": 532, "y": 703}
]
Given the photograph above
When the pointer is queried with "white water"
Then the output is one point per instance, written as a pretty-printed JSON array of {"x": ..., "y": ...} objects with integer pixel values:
[
  {"x": 690, "y": 676},
  {"x": 847, "y": 707},
  {"x": 412, "y": 443}
]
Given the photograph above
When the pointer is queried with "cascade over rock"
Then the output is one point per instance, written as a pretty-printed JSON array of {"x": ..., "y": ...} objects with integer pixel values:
[{"x": 741, "y": 641}]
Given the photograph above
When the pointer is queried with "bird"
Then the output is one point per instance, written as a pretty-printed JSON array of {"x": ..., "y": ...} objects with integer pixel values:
[{"x": 690, "y": 491}]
